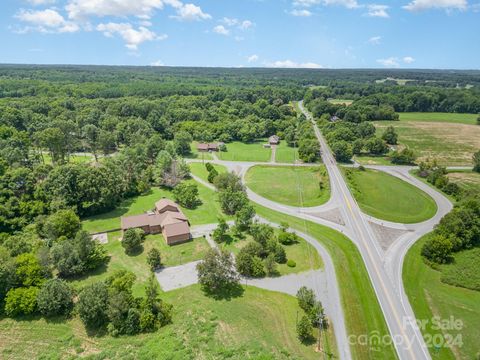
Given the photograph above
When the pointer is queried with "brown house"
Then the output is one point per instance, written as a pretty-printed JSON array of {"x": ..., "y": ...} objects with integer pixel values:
[
  {"x": 203, "y": 147},
  {"x": 167, "y": 218}
]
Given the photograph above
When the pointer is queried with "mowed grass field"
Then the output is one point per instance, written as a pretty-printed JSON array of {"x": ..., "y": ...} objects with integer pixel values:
[
  {"x": 199, "y": 169},
  {"x": 258, "y": 324},
  {"x": 388, "y": 198},
  {"x": 363, "y": 314},
  {"x": 290, "y": 185},
  {"x": 207, "y": 213},
  {"x": 450, "y": 138},
  {"x": 468, "y": 119},
  {"x": 137, "y": 263},
  {"x": 286, "y": 154},
  {"x": 304, "y": 254},
  {"x": 430, "y": 297},
  {"x": 238, "y": 151}
]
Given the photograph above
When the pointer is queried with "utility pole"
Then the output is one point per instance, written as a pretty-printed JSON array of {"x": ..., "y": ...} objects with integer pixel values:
[{"x": 320, "y": 329}]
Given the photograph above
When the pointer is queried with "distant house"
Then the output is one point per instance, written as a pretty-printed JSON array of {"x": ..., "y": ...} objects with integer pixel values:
[
  {"x": 167, "y": 218},
  {"x": 274, "y": 140},
  {"x": 203, "y": 147}
]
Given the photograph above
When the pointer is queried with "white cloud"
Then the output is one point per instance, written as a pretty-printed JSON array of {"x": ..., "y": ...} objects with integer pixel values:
[
  {"x": 82, "y": 9},
  {"x": 302, "y": 12},
  {"x": 350, "y": 4},
  {"x": 408, "y": 60},
  {"x": 252, "y": 58},
  {"x": 376, "y": 10},
  {"x": 157, "y": 63},
  {"x": 419, "y": 5},
  {"x": 222, "y": 30},
  {"x": 190, "y": 12},
  {"x": 47, "y": 20},
  {"x": 391, "y": 62},
  {"x": 132, "y": 37},
  {"x": 292, "y": 64},
  {"x": 246, "y": 24},
  {"x": 375, "y": 40},
  {"x": 230, "y": 21},
  {"x": 41, "y": 2}
]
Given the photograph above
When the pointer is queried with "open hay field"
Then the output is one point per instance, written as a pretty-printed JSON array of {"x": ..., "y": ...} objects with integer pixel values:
[{"x": 450, "y": 143}]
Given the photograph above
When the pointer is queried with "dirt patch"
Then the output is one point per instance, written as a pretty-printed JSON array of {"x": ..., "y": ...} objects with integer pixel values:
[
  {"x": 386, "y": 236},
  {"x": 333, "y": 215}
]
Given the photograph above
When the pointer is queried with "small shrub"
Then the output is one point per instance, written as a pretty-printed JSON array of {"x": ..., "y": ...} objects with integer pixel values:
[{"x": 291, "y": 263}]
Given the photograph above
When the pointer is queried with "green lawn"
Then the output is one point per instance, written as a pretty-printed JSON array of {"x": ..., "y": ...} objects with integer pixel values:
[
  {"x": 258, "y": 324},
  {"x": 363, "y": 314},
  {"x": 286, "y": 154},
  {"x": 389, "y": 198},
  {"x": 137, "y": 263},
  {"x": 304, "y": 254},
  {"x": 430, "y": 297},
  {"x": 346, "y": 102},
  {"x": 469, "y": 119},
  {"x": 206, "y": 213},
  {"x": 238, "y": 151},
  {"x": 451, "y": 142},
  {"x": 199, "y": 169},
  {"x": 290, "y": 185},
  {"x": 75, "y": 159}
]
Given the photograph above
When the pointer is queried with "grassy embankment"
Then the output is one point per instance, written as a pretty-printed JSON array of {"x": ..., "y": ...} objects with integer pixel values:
[
  {"x": 362, "y": 311},
  {"x": 388, "y": 198},
  {"x": 430, "y": 297},
  {"x": 289, "y": 185}
]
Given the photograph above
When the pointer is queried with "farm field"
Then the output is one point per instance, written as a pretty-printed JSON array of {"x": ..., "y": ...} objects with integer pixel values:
[
  {"x": 259, "y": 322},
  {"x": 199, "y": 169},
  {"x": 363, "y": 314},
  {"x": 468, "y": 119},
  {"x": 388, "y": 198},
  {"x": 304, "y": 254},
  {"x": 206, "y": 213},
  {"x": 286, "y": 154},
  {"x": 294, "y": 186},
  {"x": 430, "y": 297},
  {"x": 467, "y": 180},
  {"x": 238, "y": 151},
  {"x": 451, "y": 143}
]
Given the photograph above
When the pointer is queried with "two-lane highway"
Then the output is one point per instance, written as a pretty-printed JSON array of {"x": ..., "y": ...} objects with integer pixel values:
[{"x": 404, "y": 333}]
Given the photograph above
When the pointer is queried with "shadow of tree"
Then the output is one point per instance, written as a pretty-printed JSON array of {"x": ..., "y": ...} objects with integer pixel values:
[{"x": 225, "y": 293}]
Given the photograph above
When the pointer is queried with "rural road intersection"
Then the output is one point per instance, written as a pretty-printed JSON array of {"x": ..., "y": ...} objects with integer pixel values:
[{"x": 382, "y": 245}]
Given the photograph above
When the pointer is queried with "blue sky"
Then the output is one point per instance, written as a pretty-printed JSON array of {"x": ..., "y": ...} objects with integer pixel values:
[{"x": 272, "y": 33}]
